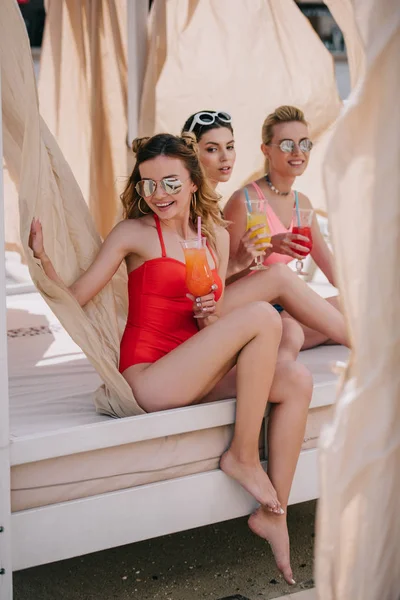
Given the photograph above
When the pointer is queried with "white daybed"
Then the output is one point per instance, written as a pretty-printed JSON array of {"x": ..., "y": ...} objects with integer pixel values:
[{"x": 82, "y": 482}]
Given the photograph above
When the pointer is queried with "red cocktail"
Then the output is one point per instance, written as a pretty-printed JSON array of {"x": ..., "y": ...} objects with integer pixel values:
[
  {"x": 306, "y": 231},
  {"x": 302, "y": 222}
]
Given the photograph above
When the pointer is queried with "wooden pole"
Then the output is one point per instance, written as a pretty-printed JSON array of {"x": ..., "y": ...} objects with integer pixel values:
[{"x": 137, "y": 50}]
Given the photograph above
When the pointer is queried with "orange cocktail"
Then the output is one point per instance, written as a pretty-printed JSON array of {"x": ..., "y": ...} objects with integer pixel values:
[{"x": 199, "y": 277}]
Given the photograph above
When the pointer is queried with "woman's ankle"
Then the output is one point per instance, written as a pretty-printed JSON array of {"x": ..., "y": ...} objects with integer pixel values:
[{"x": 244, "y": 456}]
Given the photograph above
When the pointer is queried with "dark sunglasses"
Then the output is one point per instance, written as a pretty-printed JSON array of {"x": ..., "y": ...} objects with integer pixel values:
[
  {"x": 289, "y": 145},
  {"x": 147, "y": 187}
]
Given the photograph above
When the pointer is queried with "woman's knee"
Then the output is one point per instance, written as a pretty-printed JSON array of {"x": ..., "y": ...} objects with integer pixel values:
[
  {"x": 302, "y": 381},
  {"x": 292, "y": 331},
  {"x": 294, "y": 382},
  {"x": 265, "y": 317},
  {"x": 281, "y": 273},
  {"x": 280, "y": 270},
  {"x": 292, "y": 339}
]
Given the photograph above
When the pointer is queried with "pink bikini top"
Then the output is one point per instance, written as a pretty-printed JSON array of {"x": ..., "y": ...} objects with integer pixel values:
[{"x": 276, "y": 226}]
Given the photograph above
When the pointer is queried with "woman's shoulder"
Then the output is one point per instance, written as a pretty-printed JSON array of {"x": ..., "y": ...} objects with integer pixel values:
[
  {"x": 221, "y": 233},
  {"x": 235, "y": 200},
  {"x": 133, "y": 225},
  {"x": 304, "y": 201},
  {"x": 239, "y": 194},
  {"x": 222, "y": 240},
  {"x": 129, "y": 233}
]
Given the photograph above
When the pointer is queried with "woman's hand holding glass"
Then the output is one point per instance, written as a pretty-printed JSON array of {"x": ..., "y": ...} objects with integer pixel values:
[
  {"x": 285, "y": 243},
  {"x": 256, "y": 217},
  {"x": 204, "y": 306},
  {"x": 251, "y": 245},
  {"x": 199, "y": 277}
]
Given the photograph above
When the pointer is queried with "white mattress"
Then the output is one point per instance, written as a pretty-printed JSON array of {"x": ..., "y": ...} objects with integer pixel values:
[
  {"x": 50, "y": 380},
  {"x": 50, "y": 387}
]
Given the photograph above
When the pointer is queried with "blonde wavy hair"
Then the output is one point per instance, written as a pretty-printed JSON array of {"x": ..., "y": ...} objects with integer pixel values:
[
  {"x": 282, "y": 114},
  {"x": 185, "y": 148}
]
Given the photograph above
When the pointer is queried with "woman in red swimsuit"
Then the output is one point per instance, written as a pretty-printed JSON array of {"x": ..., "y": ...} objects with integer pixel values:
[{"x": 171, "y": 359}]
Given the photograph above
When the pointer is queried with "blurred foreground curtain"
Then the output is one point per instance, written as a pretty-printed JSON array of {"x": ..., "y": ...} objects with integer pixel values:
[
  {"x": 358, "y": 540},
  {"x": 343, "y": 13},
  {"x": 47, "y": 189},
  {"x": 245, "y": 57},
  {"x": 83, "y": 97}
]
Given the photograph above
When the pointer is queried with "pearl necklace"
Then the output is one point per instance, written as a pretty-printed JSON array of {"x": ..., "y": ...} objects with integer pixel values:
[{"x": 273, "y": 188}]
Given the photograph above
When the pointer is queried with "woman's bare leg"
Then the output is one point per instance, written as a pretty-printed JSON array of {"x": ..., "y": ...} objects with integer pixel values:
[
  {"x": 250, "y": 336},
  {"x": 279, "y": 284},
  {"x": 290, "y": 397},
  {"x": 291, "y": 394},
  {"x": 292, "y": 339},
  {"x": 313, "y": 338}
]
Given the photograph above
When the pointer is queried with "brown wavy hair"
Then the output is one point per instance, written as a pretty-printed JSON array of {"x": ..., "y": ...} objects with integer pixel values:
[
  {"x": 184, "y": 148},
  {"x": 282, "y": 114}
]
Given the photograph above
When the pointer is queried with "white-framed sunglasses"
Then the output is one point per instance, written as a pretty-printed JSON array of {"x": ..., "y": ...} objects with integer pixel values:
[
  {"x": 170, "y": 185},
  {"x": 209, "y": 118},
  {"x": 288, "y": 146}
]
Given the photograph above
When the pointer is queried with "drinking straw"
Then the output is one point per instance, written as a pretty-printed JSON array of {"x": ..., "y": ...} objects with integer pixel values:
[
  {"x": 199, "y": 232},
  {"x": 246, "y": 193},
  {"x": 297, "y": 208}
]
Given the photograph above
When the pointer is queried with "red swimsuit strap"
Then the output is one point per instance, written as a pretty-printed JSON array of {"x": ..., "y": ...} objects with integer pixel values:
[{"x": 160, "y": 235}]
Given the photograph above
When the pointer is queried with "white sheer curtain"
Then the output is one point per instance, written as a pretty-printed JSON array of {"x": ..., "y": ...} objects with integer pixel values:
[{"x": 83, "y": 97}]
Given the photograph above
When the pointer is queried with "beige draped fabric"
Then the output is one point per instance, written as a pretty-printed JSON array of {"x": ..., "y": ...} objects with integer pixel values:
[
  {"x": 311, "y": 183},
  {"x": 358, "y": 549},
  {"x": 343, "y": 13},
  {"x": 48, "y": 190},
  {"x": 83, "y": 97},
  {"x": 245, "y": 57}
]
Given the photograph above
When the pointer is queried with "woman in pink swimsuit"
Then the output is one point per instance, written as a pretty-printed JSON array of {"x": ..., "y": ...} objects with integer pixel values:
[{"x": 286, "y": 147}]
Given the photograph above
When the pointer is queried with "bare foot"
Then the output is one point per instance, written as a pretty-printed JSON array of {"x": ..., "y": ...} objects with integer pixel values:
[
  {"x": 274, "y": 529},
  {"x": 253, "y": 478}
]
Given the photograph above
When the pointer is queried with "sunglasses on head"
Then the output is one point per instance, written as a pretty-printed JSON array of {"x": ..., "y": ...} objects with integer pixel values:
[
  {"x": 170, "y": 185},
  {"x": 209, "y": 118},
  {"x": 289, "y": 145}
]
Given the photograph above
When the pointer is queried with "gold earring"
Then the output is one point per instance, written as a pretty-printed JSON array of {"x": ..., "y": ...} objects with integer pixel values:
[
  {"x": 142, "y": 211},
  {"x": 194, "y": 201}
]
